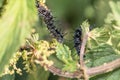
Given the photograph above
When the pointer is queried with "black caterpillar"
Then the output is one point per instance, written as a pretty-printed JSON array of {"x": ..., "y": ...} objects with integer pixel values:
[
  {"x": 48, "y": 19},
  {"x": 78, "y": 40}
]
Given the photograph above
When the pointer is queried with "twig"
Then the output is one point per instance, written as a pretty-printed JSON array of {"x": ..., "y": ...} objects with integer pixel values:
[
  {"x": 56, "y": 71},
  {"x": 83, "y": 49},
  {"x": 104, "y": 68},
  {"x": 91, "y": 71},
  {"x": 83, "y": 67}
]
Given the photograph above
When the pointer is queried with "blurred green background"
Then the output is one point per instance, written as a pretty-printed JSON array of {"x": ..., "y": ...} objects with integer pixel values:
[{"x": 69, "y": 14}]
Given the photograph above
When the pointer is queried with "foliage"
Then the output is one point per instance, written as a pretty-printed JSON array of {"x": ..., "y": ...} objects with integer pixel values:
[
  {"x": 107, "y": 47},
  {"x": 19, "y": 17},
  {"x": 15, "y": 28},
  {"x": 64, "y": 54}
]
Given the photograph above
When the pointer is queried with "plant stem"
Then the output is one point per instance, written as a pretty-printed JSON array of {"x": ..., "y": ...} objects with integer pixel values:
[
  {"x": 107, "y": 67},
  {"x": 56, "y": 71},
  {"x": 90, "y": 71},
  {"x": 82, "y": 53},
  {"x": 82, "y": 50}
]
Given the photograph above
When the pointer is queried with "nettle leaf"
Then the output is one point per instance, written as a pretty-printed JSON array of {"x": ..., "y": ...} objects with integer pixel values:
[
  {"x": 115, "y": 10},
  {"x": 63, "y": 53},
  {"x": 71, "y": 67},
  {"x": 114, "y": 75},
  {"x": 99, "y": 36},
  {"x": 115, "y": 41},
  {"x": 100, "y": 55},
  {"x": 107, "y": 44},
  {"x": 8, "y": 77},
  {"x": 113, "y": 18},
  {"x": 85, "y": 27},
  {"x": 57, "y": 62},
  {"x": 15, "y": 25},
  {"x": 38, "y": 74},
  {"x": 113, "y": 21},
  {"x": 102, "y": 46}
]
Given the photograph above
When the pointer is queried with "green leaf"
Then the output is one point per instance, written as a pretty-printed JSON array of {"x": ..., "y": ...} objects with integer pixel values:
[
  {"x": 114, "y": 75},
  {"x": 15, "y": 26},
  {"x": 64, "y": 54},
  {"x": 7, "y": 77},
  {"x": 57, "y": 63},
  {"x": 71, "y": 67},
  {"x": 115, "y": 10},
  {"x": 105, "y": 59},
  {"x": 102, "y": 54},
  {"x": 38, "y": 74},
  {"x": 99, "y": 36},
  {"x": 85, "y": 27},
  {"x": 114, "y": 17},
  {"x": 104, "y": 44},
  {"x": 113, "y": 21}
]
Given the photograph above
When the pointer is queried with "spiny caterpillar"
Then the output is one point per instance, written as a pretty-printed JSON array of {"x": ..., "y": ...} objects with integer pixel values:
[
  {"x": 45, "y": 13},
  {"x": 78, "y": 40}
]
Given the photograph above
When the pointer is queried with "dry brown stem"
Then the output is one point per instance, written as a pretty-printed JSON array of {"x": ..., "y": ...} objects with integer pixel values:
[{"x": 91, "y": 71}]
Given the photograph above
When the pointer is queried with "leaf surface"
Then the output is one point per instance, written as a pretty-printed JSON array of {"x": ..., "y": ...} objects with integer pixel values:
[{"x": 15, "y": 26}]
